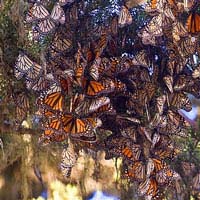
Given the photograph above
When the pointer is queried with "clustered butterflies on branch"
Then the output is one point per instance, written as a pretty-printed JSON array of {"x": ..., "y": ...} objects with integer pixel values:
[
  {"x": 86, "y": 90},
  {"x": 43, "y": 22}
]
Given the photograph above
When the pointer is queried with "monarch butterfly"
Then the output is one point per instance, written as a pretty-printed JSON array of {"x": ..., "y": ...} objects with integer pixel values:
[
  {"x": 93, "y": 88},
  {"x": 76, "y": 126},
  {"x": 101, "y": 45},
  {"x": 149, "y": 188},
  {"x": 153, "y": 28},
  {"x": 193, "y": 23},
  {"x": 141, "y": 59},
  {"x": 53, "y": 98},
  {"x": 125, "y": 17},
  {"x": 22, "y": 106},
  {"x": 180, "y": 100},
  {"x": 145, "y": 131},
  {"x": 171, "y": 129},
  {"x": 65, "y": 79},
  {"x": 153, "y": 4},
  {"x": 23, "y": 63},
  {"x": 183, "y": 81},
  {"x": 166, "y": 153},
  {"x": 155, "y": 139},
  {"x": 140, "y": 96},
  {"x": 196, "y": 182},
  {"x": 131, "y": 153},
  {"x": 91, "y": 105},
  {"x": 75, "y": 101},
  {"x": 78, "y": 75},
  {"x": 124, "y": 65},
  {"x": 160, "y": 102},
  {"x": 53, "y": 131},
  {"x": 52, "y": 127},
  {"x": 34, "y": 72},
  {"x": 136, "y": 171},
  {"x": 154, "y": 166},
  {"x": 18, "y": 74},
  {"x": 105, "y": 110},
  {"x": 114, "y": 26},
  {"x": 44, "y": 112},
  {"x": 177, "y": 119},
  {"x": 66, "y": 85},
  {"x": 37, "y": 85},
  {"x": 37, "y": 12},
  {"x": 187, "y": 46},
  {"x": 168, "y": 80},
  {"x": 46, "y": 26},
  {"x": 150, "y": 88},
  {"x": 158, "y": 121},
  {"x": 166, "y": 176},
  {"x": 178, "y": 31},
  {"x": 58, "y": 14},
  {"x": 69, "y": 158},
  {"x": 150, "y": 167},
  {"x": 135, "y": 77},
  {"x": 61, "y": 44},
  {"x": 94, "y": 69},
  {"x": 130, "y": 133},
  {"x": 112, "y": 66}
]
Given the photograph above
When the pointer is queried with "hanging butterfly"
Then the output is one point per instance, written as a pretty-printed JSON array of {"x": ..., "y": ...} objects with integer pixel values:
[
  {"x": 58, "y": 14},
  {"x": 187, "y": 46},
  {"x": 160, "y": 103},
  {"x": 78, "y": 127},
  {"x": 122, "y": 147},
  {"x": 91, "y": 105},
  {"x": 154, "y": 166},
  {"x": 166, "y": 153},
  {"x": 53, "y": 131},
  {"x": 178, "y": 31},
  {"x": 148, "y": 188},
  {"x": 196, "y": 182},
  {"x": 60, "y": 44},
  {"x": 37, "y": 12},
  {"x": 141, "y": 59},
  {"x": 129, "y": 132},
  {"x": 22, "y": 107},
  {"x": 166, "y": 176},
  {"x": 69, "y": 158},
  {"x": 125, "y": 17},
  {"x": 52, "y": 98},
  {"x": 183, "y": 81},
  {"x": 180, "y": 100},
  {"x": 23, "y": 63},
  {"x": 38, "y": 85},
  {"x": 193, "y": 23},
  {"x": 136, "y": 171}
]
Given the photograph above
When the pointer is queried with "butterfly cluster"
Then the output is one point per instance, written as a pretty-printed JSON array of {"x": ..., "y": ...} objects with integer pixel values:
[
  {"x": 43, "y": 22},
  {"x": 127, "y": 105}
]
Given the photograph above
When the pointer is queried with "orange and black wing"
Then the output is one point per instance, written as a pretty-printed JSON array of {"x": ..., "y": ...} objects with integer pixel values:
[{"x": 193, "y": 23}]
